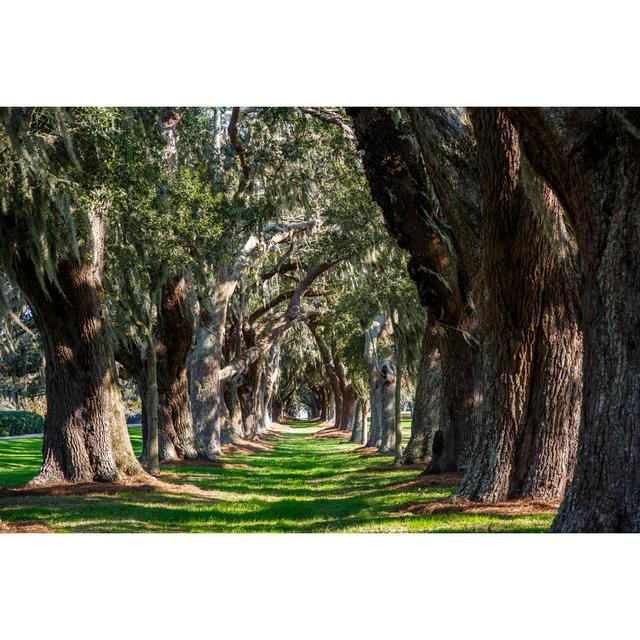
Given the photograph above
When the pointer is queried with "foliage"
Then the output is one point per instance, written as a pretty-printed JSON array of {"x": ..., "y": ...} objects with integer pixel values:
[{"x": 18, "y": 423}]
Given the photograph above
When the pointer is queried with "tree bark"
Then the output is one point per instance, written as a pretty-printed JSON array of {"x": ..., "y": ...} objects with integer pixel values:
[
  {"x": 174, "y": 333},
  {"x": 235, "y": 428},
  {"x": 249, "y": 395},
  {"x": 364, "y": 432},
  {"x": 428, "y": 193},
  {"x": 591, "y": 157},
  {"x": 388, "y": 381},
  {"x": 398, "y": 398},
  {"x": 532, "y": 358},
  {"x": 461, "y": 405},
  {"x": 400, "y": 185},
  {"x": 350, "y": 399},
  {"x": 206, "y": 396},
  {"x": 356, "y": 432},
  {"x": 271, "y": 373},
  {"x": 423, "y": 425},
  {"x": 152, "y": 438},
  {"x": 77, "y": 444}
]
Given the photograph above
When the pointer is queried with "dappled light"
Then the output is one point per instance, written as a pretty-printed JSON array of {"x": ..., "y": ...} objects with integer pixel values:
[
  {"x": 323, "y": 318},
  {"x": 304, "y": 483}
]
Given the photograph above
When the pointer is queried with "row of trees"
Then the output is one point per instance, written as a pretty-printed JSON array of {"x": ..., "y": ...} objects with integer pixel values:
[
  {"x": 174, "y": 249},
  {"x": 233, "y": 264},
  {"x": 522, "y": 226}
]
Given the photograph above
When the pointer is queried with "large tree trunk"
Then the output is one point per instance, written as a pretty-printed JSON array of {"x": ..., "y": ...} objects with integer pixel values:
[
  {"x": 234, "y": 429},
  {"x": 425, "y": 419},
  {"x": 350, "y": 399},
  {"x": 592, "y": 159},
  {"x": 430, "y": 205},
  {"x": 207, "y": 392},
  {"x": 84, "y": 439},
  {"x": 532, "y": 358},
  {"x": 271, "y": 373},
  {"x": 460, "y": 364},
  {"x": 206, "y": 397},
  {"x": 249, "y": 395},
  {"x": 173, "y": 339}
]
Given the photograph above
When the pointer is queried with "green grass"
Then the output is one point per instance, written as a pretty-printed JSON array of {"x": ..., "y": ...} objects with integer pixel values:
[{"x": 304, "y": 484}]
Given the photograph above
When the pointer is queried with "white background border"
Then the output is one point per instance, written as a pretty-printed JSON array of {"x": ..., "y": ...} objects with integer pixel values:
[{"x": 322, "y": 53}]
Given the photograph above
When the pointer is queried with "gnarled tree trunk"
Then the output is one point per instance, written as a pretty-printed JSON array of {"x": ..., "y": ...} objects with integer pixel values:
[
  {"x": 592, "y": 159},
  {"x": 207, "y": 399},
  {"x": 532, "y": 359},
  {"x": 174, "y": 334},
  {"x": 84, "y": 439}
]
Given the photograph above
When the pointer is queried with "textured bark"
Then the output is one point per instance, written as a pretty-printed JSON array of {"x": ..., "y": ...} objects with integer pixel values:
[
  {"x": 276, "y": 411},
  {"x": 152, "y": 435},
  {"x": 234, "y": 429},
  {"x": 592, "y": 159},
  {"x": 425, "y": 422},
  {"x": 206, "y": 397},
  {"x": 445, "y": 138},
  {"x": 77, "y": 444},
  {"x": 347, "y": 393},
  {"x": 388, "y": 382},
  {"x": 249, "y": 395},
  {"x": 356, "y": 432},
  {"x": 271, "y": 373},
  {"x": 350, "y": 399},
  {"x": 532, "y": 358},
  {"x": 374, "y": 437},
  {"x": 174, "y": 334},
  {"x": 428, "y": 193},
  {"x": 214, "y": 402},
  {"x": 461, "y": 405},
  {"x": 399, "y": 184}
]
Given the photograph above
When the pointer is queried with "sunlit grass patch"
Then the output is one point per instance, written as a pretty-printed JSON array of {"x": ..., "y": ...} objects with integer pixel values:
[{"x": 304, "y": 484}]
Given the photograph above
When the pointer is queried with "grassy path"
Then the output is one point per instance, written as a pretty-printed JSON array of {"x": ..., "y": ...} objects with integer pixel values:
[{"x": 303, "y": 484}]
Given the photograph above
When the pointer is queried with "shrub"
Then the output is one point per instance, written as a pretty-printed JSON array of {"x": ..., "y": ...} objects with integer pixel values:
[{"x": 18, "y": 423}]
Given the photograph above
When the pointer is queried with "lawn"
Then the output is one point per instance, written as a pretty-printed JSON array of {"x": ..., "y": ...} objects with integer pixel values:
[{"x": 304, "y": 484}]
